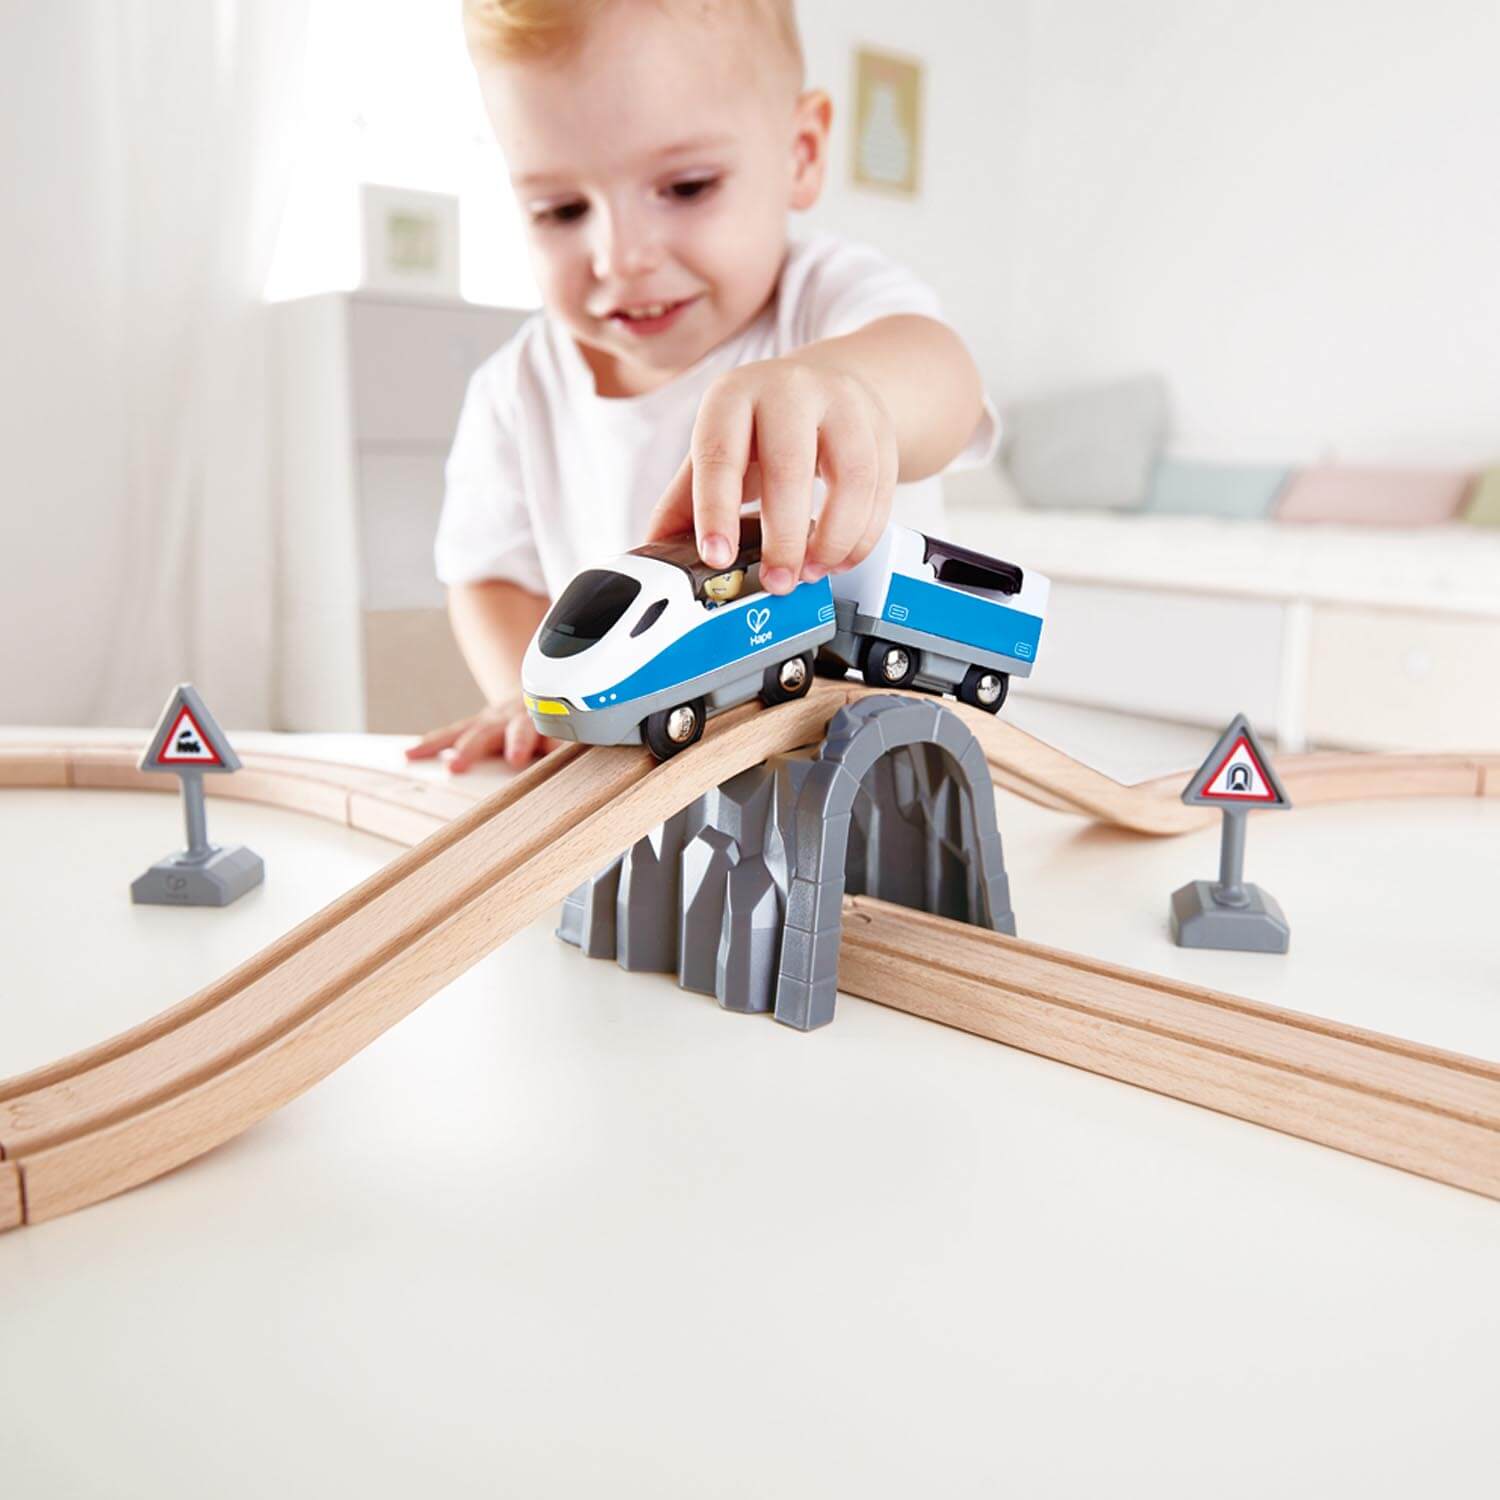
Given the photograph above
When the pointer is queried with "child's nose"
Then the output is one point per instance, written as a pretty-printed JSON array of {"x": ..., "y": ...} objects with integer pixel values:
[{"x": 625, "y": 246}]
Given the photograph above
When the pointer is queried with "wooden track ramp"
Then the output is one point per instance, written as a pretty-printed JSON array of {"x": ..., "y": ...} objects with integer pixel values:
[
  {"x": 1043, "y": 774},
  {"x": 147, "y": 1100},
  {"x": 153, "y": 1098}
]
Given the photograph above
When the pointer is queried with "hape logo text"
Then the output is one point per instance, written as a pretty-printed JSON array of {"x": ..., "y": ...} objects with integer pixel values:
[{"x": 757, "y": 620}]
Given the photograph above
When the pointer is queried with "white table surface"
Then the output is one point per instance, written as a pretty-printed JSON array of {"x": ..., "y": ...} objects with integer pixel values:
[{"x": 568, "y": 1231}]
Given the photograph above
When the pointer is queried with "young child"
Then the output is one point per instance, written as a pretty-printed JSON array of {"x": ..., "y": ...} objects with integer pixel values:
[{"x": 690, "y": 358}]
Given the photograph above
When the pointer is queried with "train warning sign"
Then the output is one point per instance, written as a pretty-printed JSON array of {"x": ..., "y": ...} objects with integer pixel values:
[
  {"x": 1237, "y": 772},
  {"x": 188, "y": 737}
]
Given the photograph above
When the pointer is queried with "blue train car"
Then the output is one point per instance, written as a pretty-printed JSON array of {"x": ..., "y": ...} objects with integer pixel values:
[{"x": 927, "y": 613}]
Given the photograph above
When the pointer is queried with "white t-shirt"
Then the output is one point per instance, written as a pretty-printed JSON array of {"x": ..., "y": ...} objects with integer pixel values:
[{"x": 546, "y": 476}]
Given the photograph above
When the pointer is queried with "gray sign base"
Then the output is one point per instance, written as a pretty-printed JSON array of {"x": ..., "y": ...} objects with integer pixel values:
[
  {"x": 179, "y": 880},
  {"x": 1200, "y": 921}
]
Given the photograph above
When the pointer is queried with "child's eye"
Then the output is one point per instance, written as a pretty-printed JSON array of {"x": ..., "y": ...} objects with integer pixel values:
[
  {"x": 692, "y": 187},
  {"x": 560, "y": 213}
]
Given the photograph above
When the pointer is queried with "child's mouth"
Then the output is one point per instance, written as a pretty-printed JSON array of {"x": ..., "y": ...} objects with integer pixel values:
[{"x": 650, "y": 317}]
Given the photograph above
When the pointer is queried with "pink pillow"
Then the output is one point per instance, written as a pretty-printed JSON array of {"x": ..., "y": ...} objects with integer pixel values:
[{"x": 1374, "y": 497}]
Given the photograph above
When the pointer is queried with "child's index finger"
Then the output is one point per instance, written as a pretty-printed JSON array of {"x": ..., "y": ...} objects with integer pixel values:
[
  {"x": 674, "y": 517},
  {"x": 720, "y": 455},
  {"x": 716, "y": 549}
]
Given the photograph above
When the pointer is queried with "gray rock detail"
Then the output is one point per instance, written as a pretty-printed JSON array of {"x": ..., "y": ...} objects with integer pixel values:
[
  {"x": 649, "y": 886},
  {"x": 588, "y": 914},
  {"x": 741, "y": 894},
  {"x": 707, "y": 863},
  {"x": 749, "y": 940}
]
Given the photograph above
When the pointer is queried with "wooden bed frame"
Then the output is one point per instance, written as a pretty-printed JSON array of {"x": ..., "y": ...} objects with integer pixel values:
[{"x": 141, "y": 1103}]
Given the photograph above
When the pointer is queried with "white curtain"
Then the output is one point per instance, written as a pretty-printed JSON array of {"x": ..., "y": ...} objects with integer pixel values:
[
  {"x": 144, "y": 155},
  {"x": 207, "y": 97}
]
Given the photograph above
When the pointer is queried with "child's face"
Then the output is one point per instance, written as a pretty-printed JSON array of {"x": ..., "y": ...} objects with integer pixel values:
[{"x": 656, "y": 167}]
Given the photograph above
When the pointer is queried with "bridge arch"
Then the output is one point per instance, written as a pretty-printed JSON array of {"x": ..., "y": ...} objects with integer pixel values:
[{"x": 859, "y": 736}]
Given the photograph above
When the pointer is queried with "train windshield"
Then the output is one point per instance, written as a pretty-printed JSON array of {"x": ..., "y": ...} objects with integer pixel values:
[{"x": 589, "y": 609}]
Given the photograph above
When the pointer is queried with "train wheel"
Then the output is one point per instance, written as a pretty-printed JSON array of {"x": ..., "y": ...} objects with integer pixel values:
[
  {"x": 673, "y": 729},
  {"x": 888, "y": 666},
  {"x": 984, "y": 688},
  {"x": 787, "y": 680}
]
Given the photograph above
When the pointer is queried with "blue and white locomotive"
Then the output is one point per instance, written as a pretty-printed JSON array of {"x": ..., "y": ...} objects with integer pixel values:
[{"x": 648, "y": 648}]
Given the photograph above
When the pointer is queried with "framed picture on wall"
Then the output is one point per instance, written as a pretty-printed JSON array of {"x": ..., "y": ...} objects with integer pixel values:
[
  {"x": 887, "y": 115},
  {"x": 410, "y": 241}
]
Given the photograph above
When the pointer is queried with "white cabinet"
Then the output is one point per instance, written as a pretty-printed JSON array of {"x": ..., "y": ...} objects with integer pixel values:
[
  {"x": 370, "y": 391},
  {"x": 1142, "y": 623},
  {"x": 1309, "y": 671},
  {"x": 1418, "y": 681},
  {"x": 1171, "y": 656}
]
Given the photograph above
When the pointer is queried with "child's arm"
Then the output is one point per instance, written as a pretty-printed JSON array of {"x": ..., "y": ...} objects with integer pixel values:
[
  {"x": 493, "y": 623},
  {"x": 896, "y": 399}
]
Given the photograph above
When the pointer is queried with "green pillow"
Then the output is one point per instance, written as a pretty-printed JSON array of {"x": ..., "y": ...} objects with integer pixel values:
[
  {"x": 1244, "y": 492},
  {"x": 1484, "y": 505},
  {"x": 1090, "y": 448}
]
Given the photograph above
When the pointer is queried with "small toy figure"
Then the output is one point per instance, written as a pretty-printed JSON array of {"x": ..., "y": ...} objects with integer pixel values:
[
  {"x": 189, "y": 742},
  {"x": 647, "y": 649},
  {"x": 724, "y": 587},
  {"x": 1236, "y": 776}
]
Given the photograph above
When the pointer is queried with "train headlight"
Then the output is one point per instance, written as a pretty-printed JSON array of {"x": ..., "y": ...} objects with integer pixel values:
[{"x": 545, "y": 705}]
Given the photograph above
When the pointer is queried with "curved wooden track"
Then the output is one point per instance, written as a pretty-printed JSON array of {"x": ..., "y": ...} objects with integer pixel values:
[{"x": 145, "y": 1101}]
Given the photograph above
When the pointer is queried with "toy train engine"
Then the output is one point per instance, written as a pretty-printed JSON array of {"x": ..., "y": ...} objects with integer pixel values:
[{"x": 647, "y": 648}]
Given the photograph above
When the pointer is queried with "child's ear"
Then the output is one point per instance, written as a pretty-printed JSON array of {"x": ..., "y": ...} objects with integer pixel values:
[{"x": 811, "y": 120}]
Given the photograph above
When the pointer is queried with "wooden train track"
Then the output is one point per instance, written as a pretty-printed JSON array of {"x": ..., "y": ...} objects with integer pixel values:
[
  {"x": 1424, "y": 1110},
  {"x": 394, "y": 805},
  {"x": 116, "y": 1115}
]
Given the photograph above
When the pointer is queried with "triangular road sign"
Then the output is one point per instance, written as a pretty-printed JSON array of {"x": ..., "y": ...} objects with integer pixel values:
[
  {"x": 1237, "y": 773},
  {"x": 188, "y": 737}
]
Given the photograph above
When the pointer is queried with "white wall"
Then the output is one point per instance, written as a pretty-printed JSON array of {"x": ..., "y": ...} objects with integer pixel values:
[
  {"x": 1288, "y": 206},
  {"x": 962, "y": 231}
]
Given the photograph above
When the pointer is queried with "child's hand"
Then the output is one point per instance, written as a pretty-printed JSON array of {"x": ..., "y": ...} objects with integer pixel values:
[
  {"x": 765, "y": 431},
  {"x": 502, "y": 729}
]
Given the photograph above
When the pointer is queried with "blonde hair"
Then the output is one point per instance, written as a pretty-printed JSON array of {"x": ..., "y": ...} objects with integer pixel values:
[{"x": 530, "y": 30}]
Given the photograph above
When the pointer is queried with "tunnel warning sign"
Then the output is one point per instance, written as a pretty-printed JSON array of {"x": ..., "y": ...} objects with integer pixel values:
[{"x": 1237, "y": 772}]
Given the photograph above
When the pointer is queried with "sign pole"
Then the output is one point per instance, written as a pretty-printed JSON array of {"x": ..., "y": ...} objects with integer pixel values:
[
  {"x": 188, "y": 741},
  {"x": 194, "y": 815},
  {"x": 1230, "y": 890},
  {"x": 1231, "y": 913}
]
